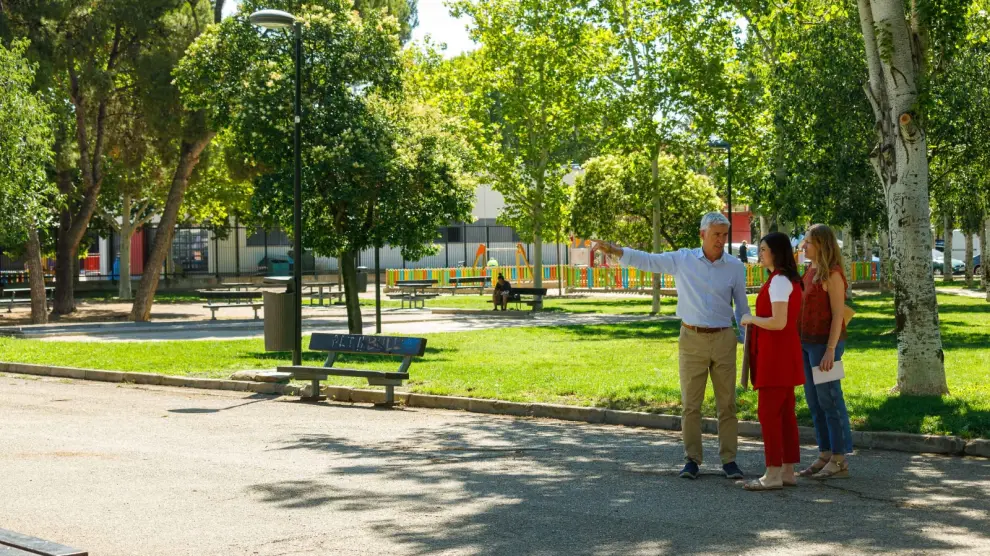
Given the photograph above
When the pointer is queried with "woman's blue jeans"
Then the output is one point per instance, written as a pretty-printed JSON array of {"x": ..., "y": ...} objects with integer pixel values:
[{"x": 826, "y": 403}]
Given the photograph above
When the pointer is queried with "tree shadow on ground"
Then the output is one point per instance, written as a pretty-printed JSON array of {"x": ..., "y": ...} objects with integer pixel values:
[
  {"x": 533, "y": 487},
  {"x": 923, "y": 415}
]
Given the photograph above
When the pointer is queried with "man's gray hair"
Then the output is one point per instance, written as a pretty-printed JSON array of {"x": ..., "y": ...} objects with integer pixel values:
[{"x": 713, "y": 218}]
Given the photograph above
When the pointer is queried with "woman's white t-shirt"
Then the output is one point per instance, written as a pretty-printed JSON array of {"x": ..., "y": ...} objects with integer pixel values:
[{"x": 780, "y": 289}]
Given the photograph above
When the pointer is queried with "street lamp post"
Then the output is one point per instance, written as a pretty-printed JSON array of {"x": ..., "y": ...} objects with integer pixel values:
[
  {"x": 721, "y": 144},
  {"x": 276, "y": 19}
]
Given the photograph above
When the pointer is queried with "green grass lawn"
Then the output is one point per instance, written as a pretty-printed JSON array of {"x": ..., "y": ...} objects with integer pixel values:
[{"x": 625, "y": 366}]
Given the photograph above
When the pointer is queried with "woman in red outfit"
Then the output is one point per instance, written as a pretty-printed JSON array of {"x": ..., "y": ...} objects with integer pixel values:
[{"x": 776, "y": 359}]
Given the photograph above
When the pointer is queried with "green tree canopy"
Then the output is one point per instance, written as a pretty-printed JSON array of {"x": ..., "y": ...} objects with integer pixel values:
[
  {"x": 25, "y": 149},
  {"x": 614, "y": 200},
  {"x": 378, "y": 167}
]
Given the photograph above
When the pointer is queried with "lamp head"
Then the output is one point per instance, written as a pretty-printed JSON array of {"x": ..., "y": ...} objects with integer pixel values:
[
  {"x": 720, "y": 144},
  {"x": 272, "y": 19}
]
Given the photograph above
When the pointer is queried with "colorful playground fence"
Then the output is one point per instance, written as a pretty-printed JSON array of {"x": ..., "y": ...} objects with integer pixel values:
[{"x": 584, "y": 278}]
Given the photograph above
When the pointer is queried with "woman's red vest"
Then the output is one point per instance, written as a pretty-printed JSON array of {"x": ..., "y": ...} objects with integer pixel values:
[{"x": 775, "y": 355}]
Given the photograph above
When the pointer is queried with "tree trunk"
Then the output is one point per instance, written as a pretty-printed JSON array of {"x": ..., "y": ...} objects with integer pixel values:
[
  {"x": 947, "y": 242},
  {"x": 847, "y": 255},
  {"x": 883, "y": 269},
  {"x": 866, "y": 243},
  {"x": 66, "y": 255},
  {"x": 657, "y": 238},
  {"x": 36, "y": 278},
  {"x": 657, "y": 244},
  {"x": 348, "y": 269},
  {"x": 124, "y": 268},
  {"x": 969, "y": 261},
  {"x": 73, "y": 225},
  {"x": 188, "y": 158},
  {"x": 764, "y": 226},
  {"x": 900, "y": 159}
]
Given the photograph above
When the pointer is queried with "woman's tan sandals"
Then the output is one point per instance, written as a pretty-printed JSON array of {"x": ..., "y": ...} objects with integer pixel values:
[
  {"x": 833, "y": 470},
  {"x": 814, "y": 468}
]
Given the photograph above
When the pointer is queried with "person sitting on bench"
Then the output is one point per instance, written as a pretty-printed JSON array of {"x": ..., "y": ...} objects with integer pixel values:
[{"x": 501, "y": 295}]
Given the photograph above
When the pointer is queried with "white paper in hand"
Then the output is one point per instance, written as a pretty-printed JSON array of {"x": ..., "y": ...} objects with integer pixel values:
[{"x": 820, "y": 376}]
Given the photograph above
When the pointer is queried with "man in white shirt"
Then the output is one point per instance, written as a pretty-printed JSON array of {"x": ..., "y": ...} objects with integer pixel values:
[{"x": 708, "y": 280}]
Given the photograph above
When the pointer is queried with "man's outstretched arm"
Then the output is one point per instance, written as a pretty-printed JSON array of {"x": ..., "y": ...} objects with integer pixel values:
[{"x": 664, "y": 263}]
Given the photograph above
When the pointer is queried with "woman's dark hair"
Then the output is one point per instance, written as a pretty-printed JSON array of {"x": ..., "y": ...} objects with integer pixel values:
[{"x": 783, "y": 255}]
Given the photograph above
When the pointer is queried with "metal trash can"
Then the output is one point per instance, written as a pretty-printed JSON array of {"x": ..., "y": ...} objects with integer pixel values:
[
  {"x": 362, "y": 278},
  {"x": 280, "y": 319}
]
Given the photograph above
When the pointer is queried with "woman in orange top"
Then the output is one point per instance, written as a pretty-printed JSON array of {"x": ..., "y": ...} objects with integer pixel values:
[
  {"x": 777, "y": 367},
  {"x": 823, "y": 338}
]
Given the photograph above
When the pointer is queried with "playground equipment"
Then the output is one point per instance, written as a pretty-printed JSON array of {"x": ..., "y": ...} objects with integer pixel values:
[{"x": 481, "y": 256}]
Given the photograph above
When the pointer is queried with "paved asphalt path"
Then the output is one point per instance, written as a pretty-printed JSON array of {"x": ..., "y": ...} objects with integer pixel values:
[{"x": 146, "y": 471}]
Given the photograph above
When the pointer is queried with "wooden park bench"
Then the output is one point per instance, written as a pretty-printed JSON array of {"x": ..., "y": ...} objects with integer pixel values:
[
  {"x": 535, "y": 297},
  {"x": 16, "y": 544},
  {"x": 469, "y": 283},
  {"x": 225, "y": 299},
  {"x": 407, "y": 348}
]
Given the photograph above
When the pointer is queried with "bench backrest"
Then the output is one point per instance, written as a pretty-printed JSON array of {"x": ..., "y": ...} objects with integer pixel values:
[
  {"x": 528, "y": 291},
  {"x": 471, "y": 280},
  {"x": 414, "y": 282},
  {"x": 34, "y": 545},
  {"x": 370, "y": 345}
]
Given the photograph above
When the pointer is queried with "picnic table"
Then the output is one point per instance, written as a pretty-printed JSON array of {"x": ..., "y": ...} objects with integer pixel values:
[
  {"x": 318, "y": 287},
  {"x": 237, "y": 286},
  {"x": 9, "y": 297},
  {"x": 414, "y": 291}
]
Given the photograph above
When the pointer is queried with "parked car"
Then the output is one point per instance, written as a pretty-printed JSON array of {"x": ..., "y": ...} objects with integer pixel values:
[
  {"x": 938, "y": 264},
  {"x": 976, "y": 265}
]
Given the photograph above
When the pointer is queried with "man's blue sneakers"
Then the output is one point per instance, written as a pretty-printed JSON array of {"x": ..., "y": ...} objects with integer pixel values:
[
  {"x": 732, "y": 471},
  {"x": 690, "y": 470}
]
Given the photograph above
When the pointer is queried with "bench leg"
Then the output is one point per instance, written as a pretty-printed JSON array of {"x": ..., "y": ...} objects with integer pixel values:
[
  {"x": 255, "y": 313},
  {"x": 213, "y": 314},
  {"x": 314, "y": 394},
  {"x": 389, "y": 397}
]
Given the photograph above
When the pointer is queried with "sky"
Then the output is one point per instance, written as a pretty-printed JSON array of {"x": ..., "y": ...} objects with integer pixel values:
[{"x": 434, "y": 20}]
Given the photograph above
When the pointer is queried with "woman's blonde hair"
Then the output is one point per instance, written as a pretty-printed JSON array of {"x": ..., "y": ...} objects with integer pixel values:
[{"x": 827, "y": 252}]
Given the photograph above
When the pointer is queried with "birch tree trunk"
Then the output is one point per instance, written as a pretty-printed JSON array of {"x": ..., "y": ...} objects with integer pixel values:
[
  {"x": 947, "y": 227},
  {"x": 883, "y": 272},
  {"x": 657, "y": 237},
  {"x": 848, "y": 253},
  {"x": 537, "y": 261},
  {"x": 36, "y": 278},
  {"x": 900, "y": 159},
  {"x": 126, "y": 231},
  {"x": 866, "y": 244},
  {"x": 969, "y": 261}
]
